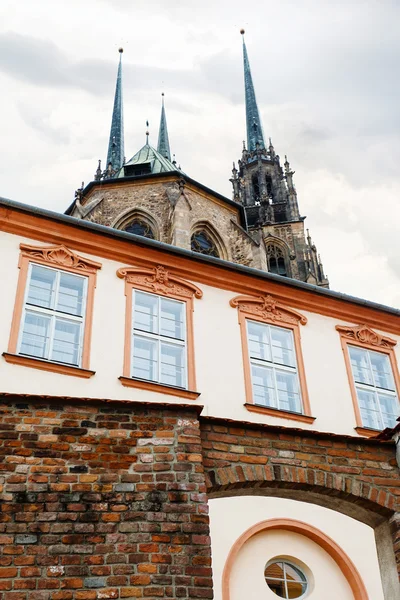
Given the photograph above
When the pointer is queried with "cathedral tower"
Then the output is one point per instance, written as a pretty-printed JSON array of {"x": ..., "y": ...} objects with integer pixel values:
[
  {"x": 267, "y": 192},
  {"x": 150, "y": 195}
]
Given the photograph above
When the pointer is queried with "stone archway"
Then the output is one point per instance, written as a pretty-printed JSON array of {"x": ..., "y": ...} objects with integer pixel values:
[{"x": 329, "y": 470}]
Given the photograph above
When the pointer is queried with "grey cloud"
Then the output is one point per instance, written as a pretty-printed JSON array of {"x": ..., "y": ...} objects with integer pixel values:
[{"x": 40, "y": 122}]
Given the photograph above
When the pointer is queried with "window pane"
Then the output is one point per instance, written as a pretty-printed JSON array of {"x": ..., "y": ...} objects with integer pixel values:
[
  {"x": 390, "y": 409},
  {"x": 288, "y": 391},
  {"x": 172, "y": 319},
  {"x": 274, "y": 570},
  {"x": 66, "y": 343},
  {"x": 146, "y": 312},
  {"x": 173, "y": 365},
  {"x": 295, "y": 590},
  {"x": 282, "y": 346},
  {"x": 293, "y": 574},
  {"x": 360, "y": 365},
  {"x": 369, "y": 410},
  {"x": 35, "y": 335},
  {"x": 70, "y": 294},
  {"x": 259, "y": 346},
  {"x": 41, "y": 286},
  {"x": 382, "y": 371},
  {"x": 145, "y": 358},
  {"x": 263, "y": 386}
]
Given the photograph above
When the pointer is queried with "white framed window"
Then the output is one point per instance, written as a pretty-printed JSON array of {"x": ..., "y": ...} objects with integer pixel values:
[
  {"x": 52, "y": 324},
  {"x": 159, "y": 349},
  {"x": 274, "y": 373},
  {"x": 375, "y": 387}
]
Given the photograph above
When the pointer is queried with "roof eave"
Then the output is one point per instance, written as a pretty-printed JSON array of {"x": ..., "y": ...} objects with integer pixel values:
[{"x": 218, "y": 262}]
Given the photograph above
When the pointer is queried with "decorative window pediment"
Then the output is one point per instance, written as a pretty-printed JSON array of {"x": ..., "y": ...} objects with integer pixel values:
[
  {"x": 159, "y": 281},
  {"x": 59, "y": 256},
  {"x": 365, "y": 335},
  {"x": 266, "y": 307}
]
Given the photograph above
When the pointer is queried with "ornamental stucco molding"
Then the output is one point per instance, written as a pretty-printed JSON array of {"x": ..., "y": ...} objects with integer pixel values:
[
  {"x": 268, "y": 309},
  {"x": 159, "y": 281},
  {"x": 365, "y": 335},
  {"x": 59, "y": 256}
]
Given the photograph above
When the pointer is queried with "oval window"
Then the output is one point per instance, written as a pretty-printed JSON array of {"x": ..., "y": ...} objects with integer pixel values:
[{"x": 285, "y": 579}]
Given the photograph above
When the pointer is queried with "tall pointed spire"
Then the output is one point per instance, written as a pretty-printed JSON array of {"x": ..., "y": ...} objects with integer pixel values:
[
  {"x": 115, "y": 154},
  {"x": 253, "y": 122},
  {"x": 163, "y": 141}
]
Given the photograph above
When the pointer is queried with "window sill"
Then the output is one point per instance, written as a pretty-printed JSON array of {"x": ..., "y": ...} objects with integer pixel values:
[
  {"x": 44, "y": 365},
  {"x": 151, "y": 386},
  {"x": 275, "y": 412},
  {"x": 367, "y": 432}
]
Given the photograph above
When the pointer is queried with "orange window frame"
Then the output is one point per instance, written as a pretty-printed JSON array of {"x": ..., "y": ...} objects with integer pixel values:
[
  {"x": 59, "y": 258},
  {"x": 266, "y": 309},
  {"x": 161, "y": 282},
  {"x": 365, "y": 337}
]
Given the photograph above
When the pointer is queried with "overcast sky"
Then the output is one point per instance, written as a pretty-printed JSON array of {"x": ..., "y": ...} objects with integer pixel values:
[{"x": 327, "y": 84}]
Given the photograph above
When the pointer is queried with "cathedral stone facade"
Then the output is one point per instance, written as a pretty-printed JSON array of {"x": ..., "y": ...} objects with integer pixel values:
[{"x": 149, "y": 195}]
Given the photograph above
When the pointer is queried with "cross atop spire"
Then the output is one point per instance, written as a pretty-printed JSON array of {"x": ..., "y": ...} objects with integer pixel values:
[
  {"x": 115, "y": 154},
  {"x": 253, "y": 122},
  {"x": 163, "y": 141}
]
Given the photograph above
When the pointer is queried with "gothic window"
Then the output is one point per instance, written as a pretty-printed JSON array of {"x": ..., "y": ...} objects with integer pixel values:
[
  {"x": 268, "y": 181},
  {"x": 139, "y": 227},
  {"x": 276, "y": 260},
  {"x": 256, "y": 187},
  {"x": 202, "y": 243}
]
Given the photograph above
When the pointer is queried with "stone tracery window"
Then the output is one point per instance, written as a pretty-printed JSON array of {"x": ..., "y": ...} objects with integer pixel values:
[
  {"x": 276, "y": 260},
  {"x": 140, "y": 227},
  {"x": 201, "y": 242}
]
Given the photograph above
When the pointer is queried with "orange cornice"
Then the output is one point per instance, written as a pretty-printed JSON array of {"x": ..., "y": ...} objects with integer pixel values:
[
  {"x": 59, "y": 256},
  {"x": 343, "y": 561},
  {"x": 365, "y": 335},
  {"x": 159, "y": 281},
  {"x": 102, "y": 244},
  {"x": 267, "y": 308}
]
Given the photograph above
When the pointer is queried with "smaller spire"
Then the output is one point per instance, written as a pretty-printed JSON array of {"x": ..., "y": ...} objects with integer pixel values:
[
  {"x": 163, "y": 140},
  {"x": 147, "y": 133},
  {"x": 98, "y": 174}
]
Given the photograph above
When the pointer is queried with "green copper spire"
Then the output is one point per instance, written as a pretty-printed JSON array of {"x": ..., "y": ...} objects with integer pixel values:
[
  {"x": 163, "y": 141},
  {"x": 115, "y": 154},
  {"x": 253, "y": 121}
]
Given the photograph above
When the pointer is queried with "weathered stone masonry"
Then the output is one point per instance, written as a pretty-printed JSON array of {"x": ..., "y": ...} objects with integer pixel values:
[
  {"x": 101, "y": 501},
  {"x": 109, "y": 499}
]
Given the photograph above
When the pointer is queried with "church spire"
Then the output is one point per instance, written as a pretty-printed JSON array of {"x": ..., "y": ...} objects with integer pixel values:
[
  {"x": 253, "y": 122},
  {"x": 115, "y": 154},
  {"x": 163, "y": 141}
]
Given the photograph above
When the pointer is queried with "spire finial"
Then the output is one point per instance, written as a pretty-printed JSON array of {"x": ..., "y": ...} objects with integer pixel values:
[
  {"x": 147, "y": 133},
  {"x": 253, "y": 121},
  {"x": 116, "y": 151},
  {"x": 163, "y": 140}
]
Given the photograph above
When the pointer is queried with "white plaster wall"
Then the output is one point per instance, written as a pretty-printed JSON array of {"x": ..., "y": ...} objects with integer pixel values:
[
  {"x": 231, "y": 517},
  {"x": 218, "y": 354}
]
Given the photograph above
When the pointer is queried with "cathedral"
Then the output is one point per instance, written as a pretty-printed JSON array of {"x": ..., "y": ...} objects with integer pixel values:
[
  {"x": 187, "y": 411},
  {"x": 150, "y": 195}
]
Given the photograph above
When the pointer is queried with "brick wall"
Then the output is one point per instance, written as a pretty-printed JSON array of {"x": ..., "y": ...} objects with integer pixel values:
[
  {"x": 101, "y": 501},
  {"x": 359, "y": 472}
]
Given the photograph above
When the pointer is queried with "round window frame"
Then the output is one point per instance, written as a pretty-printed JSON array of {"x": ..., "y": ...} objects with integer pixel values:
[{"x": 292, "y": 563}]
